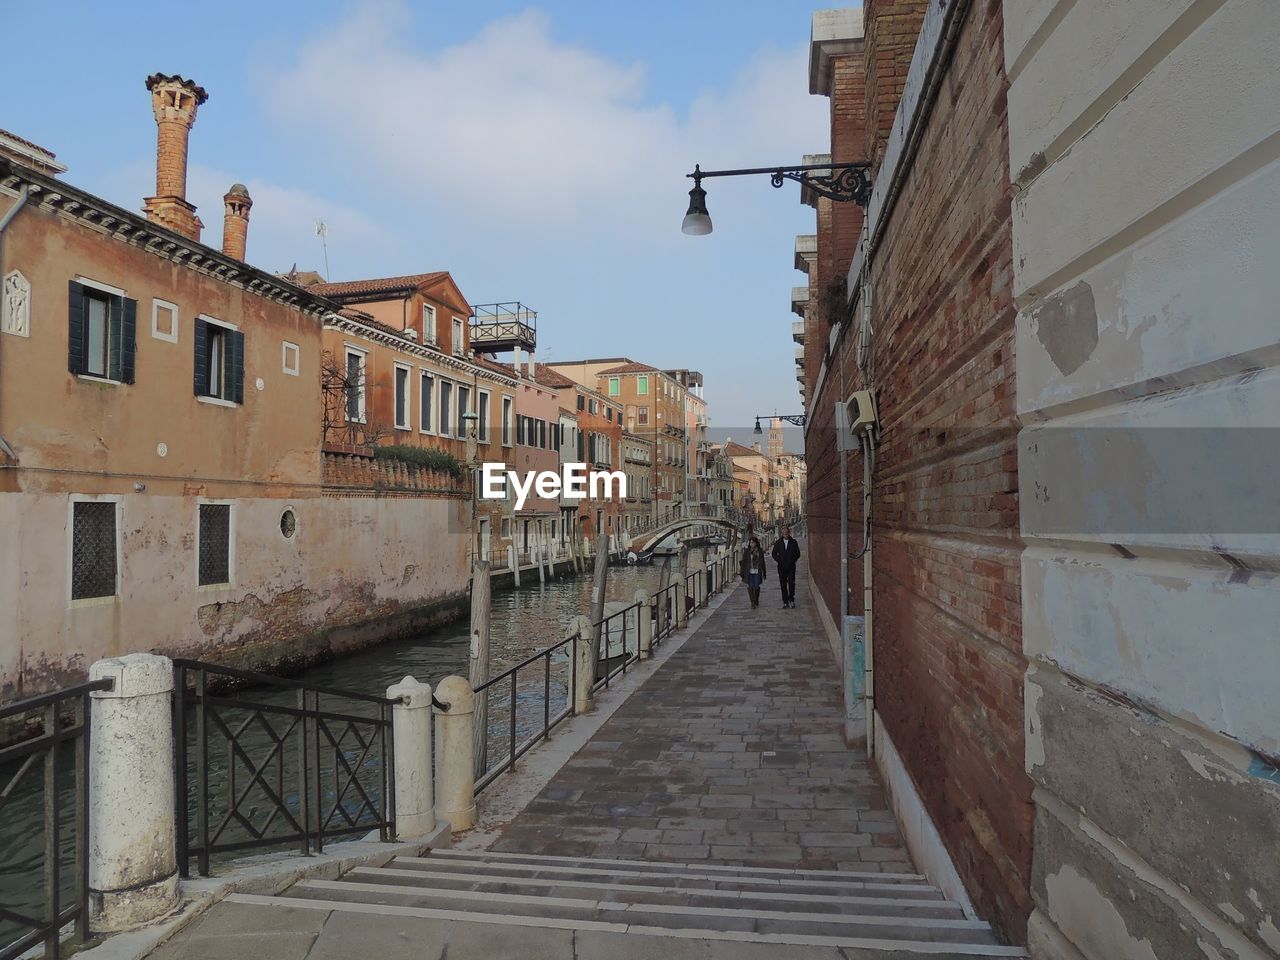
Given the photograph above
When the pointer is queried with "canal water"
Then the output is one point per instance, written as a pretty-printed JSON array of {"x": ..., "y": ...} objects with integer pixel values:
[{"x": 522, "y": 622}]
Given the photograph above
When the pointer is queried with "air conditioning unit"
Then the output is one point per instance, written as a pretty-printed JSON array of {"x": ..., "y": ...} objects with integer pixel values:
[{"x": 855, "y": 417}]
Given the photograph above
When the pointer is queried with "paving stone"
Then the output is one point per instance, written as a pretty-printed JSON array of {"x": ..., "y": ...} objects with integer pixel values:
[{"x": 731, "y": 752}]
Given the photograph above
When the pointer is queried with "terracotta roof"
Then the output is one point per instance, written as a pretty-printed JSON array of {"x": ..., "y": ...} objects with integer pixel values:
[
  {"x": 367, "y": 319},
  {"x": 738, "y": 450},
  {"x": 497, "y": 366},
  {"x": 34, "y": 147},
  {"x": 551, "y": 378},
  {"x": 357, "y": 288},
  {"x": 630, "y": 366},
  {"x": 572, "y": 413}
]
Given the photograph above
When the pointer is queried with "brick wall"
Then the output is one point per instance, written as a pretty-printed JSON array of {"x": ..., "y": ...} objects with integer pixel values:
[
  {"x": 352, "y": 472},
  {"x": 891, "y": 28},
  {"x": 946, "y": 579}
]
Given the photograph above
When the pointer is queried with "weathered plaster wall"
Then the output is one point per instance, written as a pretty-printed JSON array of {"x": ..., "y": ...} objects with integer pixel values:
[
  {"x": 1145, "y": 151},
  {"x": 356, "y": 570}
]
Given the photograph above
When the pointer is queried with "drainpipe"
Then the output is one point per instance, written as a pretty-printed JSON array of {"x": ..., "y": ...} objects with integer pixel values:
[
  {"x": 23, "y": 196},
  {"x": 868, "y": 468}
]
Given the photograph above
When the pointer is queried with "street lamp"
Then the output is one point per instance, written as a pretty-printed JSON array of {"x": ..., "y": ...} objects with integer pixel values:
[
  {"x": 841, "y": 182},
  {"x": 794, "y": 418}
]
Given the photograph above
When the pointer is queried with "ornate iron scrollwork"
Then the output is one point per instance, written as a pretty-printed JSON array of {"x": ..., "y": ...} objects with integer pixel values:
[{"x": 839, "y": 183}]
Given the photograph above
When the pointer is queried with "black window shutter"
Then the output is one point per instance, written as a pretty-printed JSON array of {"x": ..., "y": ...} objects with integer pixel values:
[
  {"x": 235, "y": 366},
  {"x": 115, "y": 325},
  {"x": 75, "y": 327},
  {"x": 129, "y": 341},
  {"x": 201, "y": 339}
]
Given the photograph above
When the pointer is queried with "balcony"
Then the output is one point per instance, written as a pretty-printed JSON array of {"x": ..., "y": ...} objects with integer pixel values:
[
  {"x": 501, "y": 327},
  {"x": 797, "y": 331},
  {"x": 799, "y": 300},
  {"x": 800, "y": 356},
  {"x": 806, "y": 251}
]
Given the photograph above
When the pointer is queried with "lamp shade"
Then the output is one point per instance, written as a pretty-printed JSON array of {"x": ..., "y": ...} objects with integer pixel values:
[{"x": 697, "y": 222}]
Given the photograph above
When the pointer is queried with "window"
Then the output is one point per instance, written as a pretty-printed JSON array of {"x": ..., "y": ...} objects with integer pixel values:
[
  {"x": 94, "y": 548},
  {"x": 215, "y": 544},
  {"x": 426, "y": 397},
  {"x": 615, "y": 387},
  {"x": 592, "y": 406},
  {"x": 644, "y": 414},
  {"x": 428, "y": 323},
  {"x": 464, "y": 407},
  {"x": 542, "y": 434},
  {"x": 608, "y": 414},
  {"x": 402, "y": 397},
  {"x": 458, "y": 343},
  {"x": 354, "y": 386},
  {"x": 582, "y": 402},
  {"x": 482, "y": 408},
  {"x": 219, "y": 361},
  {"x": 642, "y": 385},
  {"x": 446, "y": 406},
  {"x": 164, "y": 320},
  {"x": 506, "y": 528},
  {"x": 290, "y": 358},
  {"x": 506, "y": 423},
  {"x": 102, "y": 332}
]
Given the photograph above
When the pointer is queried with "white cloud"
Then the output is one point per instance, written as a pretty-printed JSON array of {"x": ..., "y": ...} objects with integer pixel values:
[{"x": 521, "y": 131}]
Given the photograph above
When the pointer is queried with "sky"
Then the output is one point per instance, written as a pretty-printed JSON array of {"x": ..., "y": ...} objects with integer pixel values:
[{"x": 537, "y": 152}]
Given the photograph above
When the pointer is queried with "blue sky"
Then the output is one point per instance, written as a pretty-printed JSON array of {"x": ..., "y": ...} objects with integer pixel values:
[{"x": 535, "y": 151}]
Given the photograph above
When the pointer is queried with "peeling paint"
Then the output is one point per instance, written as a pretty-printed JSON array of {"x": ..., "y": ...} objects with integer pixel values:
[
  {"x": 1067, "y": 327},
  {"x": 1098, "y": 928}
]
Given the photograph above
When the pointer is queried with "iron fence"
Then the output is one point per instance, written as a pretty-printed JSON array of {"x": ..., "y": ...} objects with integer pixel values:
[
  {"x": 664, "y": 613},
  {"x": 45, "y": 898},
  {"x": 612, "y": 665},
  {"x": 276, "y": 764},
  {"x": 508, "y": 722}
]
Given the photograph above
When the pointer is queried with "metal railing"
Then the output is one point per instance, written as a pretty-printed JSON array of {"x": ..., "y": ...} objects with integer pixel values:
[
  {"x": 663, "y": 606},
  {"x": 276, "y": 767},
  {"x": 53, "y": 738},
  {"x": 625, "y": 657},
  {"x": 510, "y": 723}
]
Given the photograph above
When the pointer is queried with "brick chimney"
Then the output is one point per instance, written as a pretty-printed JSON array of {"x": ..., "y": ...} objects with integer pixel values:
[
  {"x": 175, "y": 101},
  {"x": 235, "y": 221}
]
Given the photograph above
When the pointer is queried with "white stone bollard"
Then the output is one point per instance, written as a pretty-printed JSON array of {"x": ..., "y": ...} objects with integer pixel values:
[
  {"x": 584, "y": 652},
  {"x": 682, "y": 615},
  {"x": 411, "y": 734},
  {"x": 645, "y": 624},
  {"x": 455, "y": 747},
  {"x": 133, "y": 867}
]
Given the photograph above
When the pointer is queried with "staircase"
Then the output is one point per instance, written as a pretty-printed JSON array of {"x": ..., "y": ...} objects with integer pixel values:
[{"x": 869, "y": 916}]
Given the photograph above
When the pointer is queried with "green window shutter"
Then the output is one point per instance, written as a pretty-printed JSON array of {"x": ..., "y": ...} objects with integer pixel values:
[
  {"x": 129, "y": 341},
  {"x": 75, "y": 327},
  {"x": 235, "y": 366},
  {"x": 200, "y": 331}
]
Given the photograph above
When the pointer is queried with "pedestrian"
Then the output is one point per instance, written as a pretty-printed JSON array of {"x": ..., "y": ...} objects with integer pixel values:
[
  {"x": 752, "y": 569},
  {"x": 786, "y": 553}
]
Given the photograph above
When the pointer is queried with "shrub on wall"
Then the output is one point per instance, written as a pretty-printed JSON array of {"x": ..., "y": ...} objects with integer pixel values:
[{"x": 425, "y": 457}]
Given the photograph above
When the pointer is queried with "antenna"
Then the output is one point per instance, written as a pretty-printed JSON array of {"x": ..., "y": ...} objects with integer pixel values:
[{"x": 322, "y": 231}]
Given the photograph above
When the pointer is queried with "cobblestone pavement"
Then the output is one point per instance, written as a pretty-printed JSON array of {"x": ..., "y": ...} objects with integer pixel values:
[{"x": 730, "y": 753}]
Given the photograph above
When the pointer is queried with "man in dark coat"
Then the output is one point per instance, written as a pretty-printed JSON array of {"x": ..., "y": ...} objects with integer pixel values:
[{"x": 786, "y": 553}]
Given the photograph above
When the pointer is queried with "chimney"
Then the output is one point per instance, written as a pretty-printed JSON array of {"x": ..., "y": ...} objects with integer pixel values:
[
  {"x": 174, "y": 101},
  {"x": 235, "y": 221}
]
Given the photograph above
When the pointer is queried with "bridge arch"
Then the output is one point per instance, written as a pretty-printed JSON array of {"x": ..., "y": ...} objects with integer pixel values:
[{"x": 648, "y": 539}]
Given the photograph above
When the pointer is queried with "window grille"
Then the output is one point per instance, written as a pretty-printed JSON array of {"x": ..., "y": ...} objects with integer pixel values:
[
  {"x": 215, "y": 543},
  {"x": 93, "y": 550}
]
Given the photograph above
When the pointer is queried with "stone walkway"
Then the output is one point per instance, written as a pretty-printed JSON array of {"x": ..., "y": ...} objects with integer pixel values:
[{"x": 730, "y": 753}]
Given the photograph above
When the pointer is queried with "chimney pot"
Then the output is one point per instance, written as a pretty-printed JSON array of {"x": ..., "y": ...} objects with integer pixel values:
[
  {"x": 235, "y": 221},
  {"x": 174, "y": 100}
]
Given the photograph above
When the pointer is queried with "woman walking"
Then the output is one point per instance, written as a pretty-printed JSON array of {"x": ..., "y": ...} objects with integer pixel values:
[{"x": 751, "y": 569}]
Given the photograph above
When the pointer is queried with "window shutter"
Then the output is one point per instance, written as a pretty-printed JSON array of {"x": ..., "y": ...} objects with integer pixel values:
[
  {"x": 115, "y": 328},
  {"x": 128, "y": 340},
  {"x": 75, "y": 327},
  {"x": 235, "y": 366},
  {"x": 200, "y": 337}
]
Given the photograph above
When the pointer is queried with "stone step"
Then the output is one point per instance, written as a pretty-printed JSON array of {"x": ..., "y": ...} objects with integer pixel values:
[
  {"x": 904, "y": 906},
  {"x": 693, "y": 876},
  {"x": 649, "y": 866},
  {"x": 872, "y": 948},
  {"x": 757, "y": 919}
]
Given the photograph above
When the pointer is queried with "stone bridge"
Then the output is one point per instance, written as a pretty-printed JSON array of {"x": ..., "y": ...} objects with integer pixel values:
[{"x": 643, "y": 542}]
